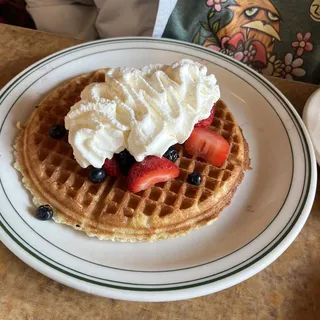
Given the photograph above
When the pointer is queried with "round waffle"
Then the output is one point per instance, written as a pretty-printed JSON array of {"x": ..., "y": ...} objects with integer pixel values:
[{"x": 108, "y": 210}]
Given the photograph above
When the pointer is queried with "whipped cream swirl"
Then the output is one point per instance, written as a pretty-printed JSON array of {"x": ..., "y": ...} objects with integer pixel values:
[{"x": 142, "y": 110}]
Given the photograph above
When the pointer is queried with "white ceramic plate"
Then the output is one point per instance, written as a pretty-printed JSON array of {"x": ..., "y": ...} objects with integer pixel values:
[
  {"x": 311, "y": 117},
  {"x": 266, "y": 214}
]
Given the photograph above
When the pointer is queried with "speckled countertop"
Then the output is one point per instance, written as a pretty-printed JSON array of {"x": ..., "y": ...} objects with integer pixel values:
[{"x": 288, "y": 289}]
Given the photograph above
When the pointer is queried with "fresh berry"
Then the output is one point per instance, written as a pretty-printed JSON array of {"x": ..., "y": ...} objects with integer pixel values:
[
  {"x": 97, "y": 175},
  {"x": 208, "y": 145},
  {"x": 171, "y": 154},
  {"x": 194, "y": 178},
  {"x": 206, "y": 123},
  {"x": 125, "y": 160},
  {"x": 57, "y": 131},
  {"x": 150, "y": 171},
  {"x": 44, "y": 212},
  {"x": 112, "y": 167}
]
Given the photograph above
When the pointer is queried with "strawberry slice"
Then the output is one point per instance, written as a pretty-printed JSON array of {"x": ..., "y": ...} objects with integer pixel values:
[
  {"x": 112, "y": 167},
  {"x": 206, "y": 123},
  {"x": 209, "y": 145},
  {"x": 150, "y": 171}
]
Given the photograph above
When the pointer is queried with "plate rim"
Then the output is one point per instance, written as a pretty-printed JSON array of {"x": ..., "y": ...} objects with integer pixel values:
[
  {"x": 275, "y": 92},
  {"x": 167, "y": 270},
  {"x": 311, "y": 103}
]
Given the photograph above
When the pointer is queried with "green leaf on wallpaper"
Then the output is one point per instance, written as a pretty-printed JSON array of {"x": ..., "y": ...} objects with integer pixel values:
[
  {"x": 205, "y": 26},
  {"x": 196, "y": 38},
  {"x": 212, "y": 39},
  {"x": 215, "y": 26},
  {"x": 211, "y": 14}
]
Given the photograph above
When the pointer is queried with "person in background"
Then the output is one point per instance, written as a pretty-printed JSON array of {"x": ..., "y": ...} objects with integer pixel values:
[
  {"x": 94, "y": 19},
  {"x": 279, "y": 38}
]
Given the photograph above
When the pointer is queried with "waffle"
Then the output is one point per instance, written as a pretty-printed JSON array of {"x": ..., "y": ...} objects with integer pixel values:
[{"x": 108, "y": 210}]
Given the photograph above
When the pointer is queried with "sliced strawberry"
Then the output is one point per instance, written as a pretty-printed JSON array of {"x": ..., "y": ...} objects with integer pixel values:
[
  {"x": 150, "y": 171},
  {"x": 209, "y": 145},
  {"x": 112, "y": 167},
  {"x": 206, "y": 123}
]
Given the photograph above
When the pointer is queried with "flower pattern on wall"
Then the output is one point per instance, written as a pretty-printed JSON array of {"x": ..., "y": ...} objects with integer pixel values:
[
  {"x": 303, "y": 43},
  {"x": 251, "y": 46},
  {"x": 292, "y": 67},
  {"x": 215, "y": 4}
]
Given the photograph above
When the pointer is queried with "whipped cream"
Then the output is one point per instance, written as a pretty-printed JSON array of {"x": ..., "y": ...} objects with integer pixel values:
[{"x": 142, "y": 110}]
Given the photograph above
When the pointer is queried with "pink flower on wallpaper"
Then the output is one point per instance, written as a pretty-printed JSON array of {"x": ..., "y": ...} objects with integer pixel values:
[
  {"x": 238, "y": 55},
  {"x": 235, "y": 47},
  {"x": 249, "y": 54},
  {"x": 303, "y": 43},
  {"x": 292, "y": 67},
  {"x": 216, "y": 4}
]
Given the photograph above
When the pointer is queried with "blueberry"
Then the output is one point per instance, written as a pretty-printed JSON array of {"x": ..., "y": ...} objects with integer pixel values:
[
  {"x": 97, "y": 175},
  {"x": 57, "y": 131},
  {"x": 194, "y": 178},
  {"x": 171, "y": 154},
  {"x": 44, "y": 212},
  {"x": 125, "y": 161}
]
